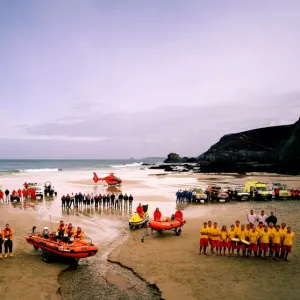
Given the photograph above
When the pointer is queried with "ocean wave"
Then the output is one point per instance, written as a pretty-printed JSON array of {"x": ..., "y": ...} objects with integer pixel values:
[
  {"x": 128, "y": 165},
  {"x": 32, "y": 170}
]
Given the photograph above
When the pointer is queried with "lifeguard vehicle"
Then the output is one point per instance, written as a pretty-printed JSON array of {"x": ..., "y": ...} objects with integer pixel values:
[{"x": 111, "y": 179}]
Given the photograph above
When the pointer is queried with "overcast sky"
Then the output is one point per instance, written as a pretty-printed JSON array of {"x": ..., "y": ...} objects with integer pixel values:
[{"x": 118, "y": 79}]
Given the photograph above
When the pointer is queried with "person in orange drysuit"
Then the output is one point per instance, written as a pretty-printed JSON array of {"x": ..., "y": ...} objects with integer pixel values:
[
  {"x": 70, "y": 231},
  {"x": 79, "y": 233},
  {"x": 157, "y": 215},
  {"x": 61, "y": 229},
  {"x": 179, "y": 215},
  {"x": 140, "y": 210},
  {"x": 8, "y": 244}
]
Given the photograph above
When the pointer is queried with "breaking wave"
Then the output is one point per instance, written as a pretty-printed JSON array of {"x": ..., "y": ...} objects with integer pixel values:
[
  {"x": 31, "y": 171},
  {"x": 128, "y": 165}
]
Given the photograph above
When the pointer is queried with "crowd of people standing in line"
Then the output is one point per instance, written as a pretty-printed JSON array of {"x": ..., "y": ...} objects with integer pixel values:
[
  {"x": 105, "y": 200},
  {"x": 260, "y": 239}
]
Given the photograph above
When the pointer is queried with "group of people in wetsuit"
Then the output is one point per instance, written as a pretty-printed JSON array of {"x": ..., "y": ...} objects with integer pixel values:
[{"x": 108, "y": 200}]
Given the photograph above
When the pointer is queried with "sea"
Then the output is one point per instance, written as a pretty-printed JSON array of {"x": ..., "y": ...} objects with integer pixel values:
[{"x": 55, "y": 165}]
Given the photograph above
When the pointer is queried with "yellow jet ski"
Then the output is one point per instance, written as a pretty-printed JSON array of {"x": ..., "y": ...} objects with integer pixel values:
[{"x": 136, "y": 221}]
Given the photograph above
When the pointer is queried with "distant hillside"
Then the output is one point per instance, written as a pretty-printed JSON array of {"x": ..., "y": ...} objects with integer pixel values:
[{"x": 270, "y": 149}]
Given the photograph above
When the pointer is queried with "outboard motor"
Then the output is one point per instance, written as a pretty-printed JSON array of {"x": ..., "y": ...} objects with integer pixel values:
[
  {"x": 46, "y": 232},
  {"x": 173, "y": 217}
]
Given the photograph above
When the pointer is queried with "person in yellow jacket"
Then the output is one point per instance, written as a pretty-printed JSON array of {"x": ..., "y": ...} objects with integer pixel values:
[
  {"x": 1, "y": 242},
  {"x": 79, "y": 234},
  {"x": 288, "y": 240},
  {"x": 8, "y": 237}
]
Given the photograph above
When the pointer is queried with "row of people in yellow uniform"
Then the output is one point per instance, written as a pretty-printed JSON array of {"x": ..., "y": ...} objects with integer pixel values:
[
  {"x": 249, "y": 238},
  {"x": 69, "y": 230},
  {"x": 6, "y": 238}
]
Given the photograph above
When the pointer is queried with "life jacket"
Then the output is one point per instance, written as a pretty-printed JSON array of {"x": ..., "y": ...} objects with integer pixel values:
[
  {"x": 61, "y": 228},
  {"x": 70, "y": 231},
  {"x": 79, "y": 234},
  {"x": 297, "y": 192},
  {"x": 7, "y": 233}
]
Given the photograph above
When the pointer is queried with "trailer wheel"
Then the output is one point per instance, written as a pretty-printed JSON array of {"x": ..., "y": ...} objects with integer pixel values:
[
  {"x": 178, "y": 231},
  {"x": 36, "y": 247},
  {"x": 45, "y": 257}
]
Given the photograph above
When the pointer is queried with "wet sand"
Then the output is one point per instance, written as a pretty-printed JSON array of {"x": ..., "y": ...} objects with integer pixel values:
[
  {"x": 173, "y": 263},
  {"x": 168, "y": 261},
  {"x": 24, "y": 276},
  {"x": 92, "y": 183}
]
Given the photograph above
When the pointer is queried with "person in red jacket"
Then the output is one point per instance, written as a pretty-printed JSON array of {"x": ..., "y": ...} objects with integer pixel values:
[
  {"x": 297, "y": 194},
  {"x": 140, "y": 210},
  {"x": 179, "y": 215},
  {"x": 24, "y": 193},
  {"x": 1, "y": 198},
  {"x": 292, "y": 194},
  {"x": 157, "y": 215},
  {"x": 20, "y": 193}
]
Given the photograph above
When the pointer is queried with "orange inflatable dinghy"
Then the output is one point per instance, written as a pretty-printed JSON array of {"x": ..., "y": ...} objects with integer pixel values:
[
  {"x": 77, "y": 248},
  {"x": 167, "y": 224}
]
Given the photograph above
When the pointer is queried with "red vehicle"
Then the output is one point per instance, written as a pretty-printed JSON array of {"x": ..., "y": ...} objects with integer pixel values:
[
  {"x": 217, "y": 194},
  {"x": 111, "y": 179}
]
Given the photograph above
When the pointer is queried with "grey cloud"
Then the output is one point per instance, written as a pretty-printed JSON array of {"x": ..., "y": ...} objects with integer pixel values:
[{"x": 186, "y": 130}]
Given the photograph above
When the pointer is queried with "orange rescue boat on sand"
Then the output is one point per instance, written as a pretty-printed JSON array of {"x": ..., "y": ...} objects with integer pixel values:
[
  {"x": 51, "y": 246},
  {"x": 167, "y": 223}
]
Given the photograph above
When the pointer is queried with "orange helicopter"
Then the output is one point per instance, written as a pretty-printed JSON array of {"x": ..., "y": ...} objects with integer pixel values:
[{"x": 111, "y": 179}]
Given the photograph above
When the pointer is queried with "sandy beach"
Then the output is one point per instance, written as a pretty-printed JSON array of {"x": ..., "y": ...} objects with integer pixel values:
[
  {"x": 172, "y": 263},
  {"x": 166, "y": 262},
  {"x": 23, "y": 276}
]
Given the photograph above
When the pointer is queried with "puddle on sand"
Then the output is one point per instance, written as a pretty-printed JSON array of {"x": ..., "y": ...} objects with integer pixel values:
[{"x": 96, "y": 278}]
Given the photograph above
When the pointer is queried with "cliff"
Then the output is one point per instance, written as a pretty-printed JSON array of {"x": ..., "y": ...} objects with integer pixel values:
[{"x": 270, "y": 149}]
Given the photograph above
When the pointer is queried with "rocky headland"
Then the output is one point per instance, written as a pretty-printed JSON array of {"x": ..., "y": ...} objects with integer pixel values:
[{"x": 271, "y": 149}]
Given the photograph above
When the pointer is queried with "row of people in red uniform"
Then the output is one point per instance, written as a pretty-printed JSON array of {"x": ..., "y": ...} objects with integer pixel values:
[{"x": 20, "y": 193}]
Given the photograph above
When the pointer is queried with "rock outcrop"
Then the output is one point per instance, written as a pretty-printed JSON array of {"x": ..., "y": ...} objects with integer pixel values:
[
  {"x": 174, "y": 158},
  {"x": 271, "y": 149}
]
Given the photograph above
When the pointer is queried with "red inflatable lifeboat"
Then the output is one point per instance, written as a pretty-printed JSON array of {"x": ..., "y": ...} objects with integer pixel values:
[
  {"x": 167, "y": 224},
  {"x": 50, "y": 245}
]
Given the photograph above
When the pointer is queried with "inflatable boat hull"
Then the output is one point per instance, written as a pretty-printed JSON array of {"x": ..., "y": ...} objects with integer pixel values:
[{"x": 77, "y": 249}]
